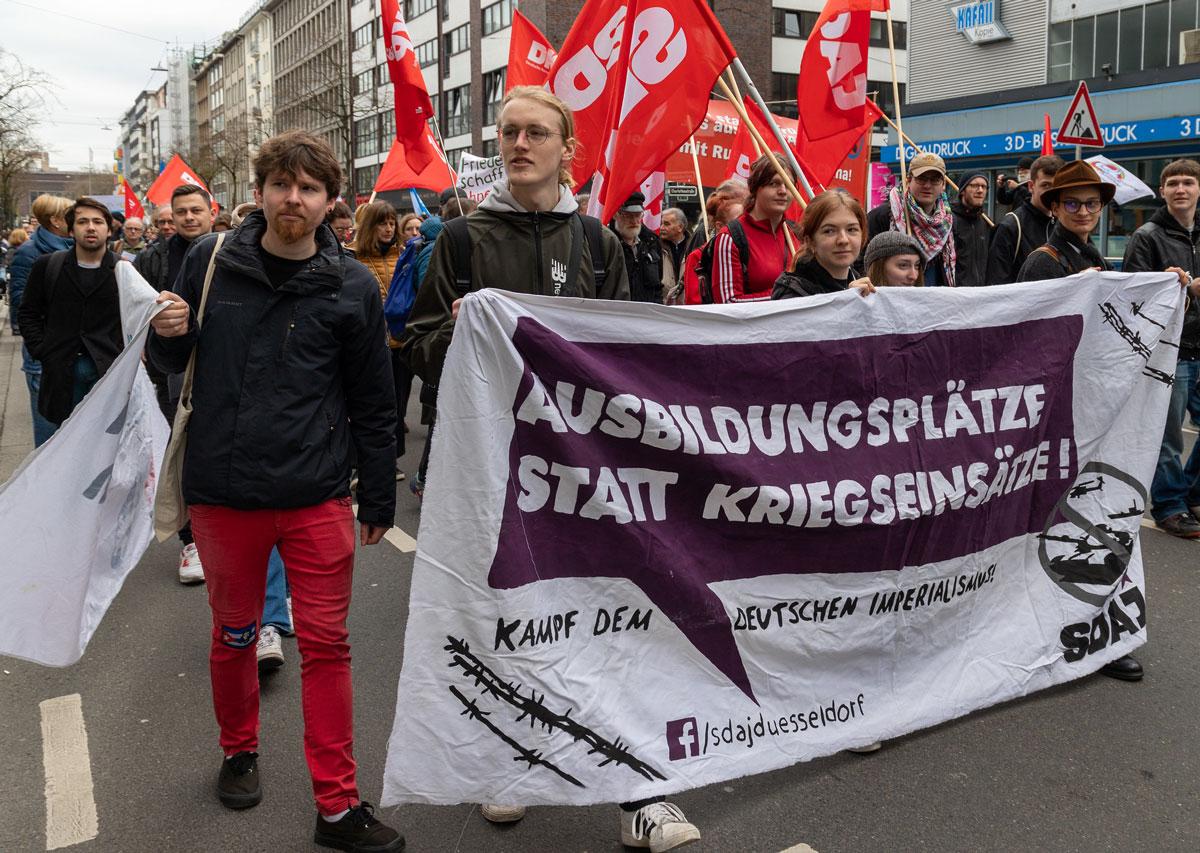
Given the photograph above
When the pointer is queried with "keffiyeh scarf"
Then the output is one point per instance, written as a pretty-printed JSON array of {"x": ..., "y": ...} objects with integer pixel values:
[{"x": 933, "y": 231}]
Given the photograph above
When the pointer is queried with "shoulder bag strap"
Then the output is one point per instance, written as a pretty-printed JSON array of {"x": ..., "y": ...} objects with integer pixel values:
[
  {"x": 208, "y": 274},
  {"x": 1017, "y": 248},
  {"x": 185, "y": 391}
]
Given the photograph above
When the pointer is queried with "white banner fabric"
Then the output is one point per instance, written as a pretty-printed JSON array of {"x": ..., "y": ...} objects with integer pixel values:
[
  {"x": 77, "y": 515},
  {"x": 663, "y": 547},
  {"x": 477, "y": 174}
]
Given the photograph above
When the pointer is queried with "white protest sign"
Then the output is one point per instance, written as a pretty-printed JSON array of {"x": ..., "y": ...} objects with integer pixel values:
[
  {"x": 845, "y": 520},
  {"x": 477, "y": 174},
  {"x": 1129, "y": 186}
]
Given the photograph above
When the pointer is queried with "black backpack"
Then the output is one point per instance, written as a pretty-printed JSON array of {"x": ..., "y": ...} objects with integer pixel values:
[
  {"x": 704, "y": 268},
  {"x": 460, "y": 238}
]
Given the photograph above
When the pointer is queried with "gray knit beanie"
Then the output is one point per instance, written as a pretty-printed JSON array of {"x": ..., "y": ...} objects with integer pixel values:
[{"x": 888, "y": 243}]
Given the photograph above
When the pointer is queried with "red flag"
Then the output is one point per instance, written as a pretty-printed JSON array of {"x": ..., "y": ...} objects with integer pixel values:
[
  {"x": 412, "y": 104},
  {"x": 631, "y": 59},
  {"x": 831, "y": 93},
  {"x": 133, "y": 207},
  {"x": 1047, "y": 138},
  {"x": 175, "y": 173},
  {"x": 397, "y": 174},
  {"x": 530, "y": 56}
]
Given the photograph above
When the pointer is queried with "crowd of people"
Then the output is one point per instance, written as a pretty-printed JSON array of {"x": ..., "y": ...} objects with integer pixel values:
[{"x": 302, "y": 376}]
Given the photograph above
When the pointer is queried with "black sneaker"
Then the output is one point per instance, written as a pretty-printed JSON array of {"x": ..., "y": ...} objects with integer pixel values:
[
  {"x": 359, "y": 832},
  {"x": 1181, "y": 524},
  {"x": 239, "y": 786}
]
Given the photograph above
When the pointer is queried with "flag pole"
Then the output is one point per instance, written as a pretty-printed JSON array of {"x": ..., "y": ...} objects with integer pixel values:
[
  {"x": 770, "y": 119},
  {"x": 371, "y": 200},
  {"x": 700, "y": 189},
  {"x": 758, "y": 150},
  {"x": 904, "y": 136},
  {"x": 899, "y": 122},
  {"x": 745, "y": 117},
  {"x": 437, "y": 131}
]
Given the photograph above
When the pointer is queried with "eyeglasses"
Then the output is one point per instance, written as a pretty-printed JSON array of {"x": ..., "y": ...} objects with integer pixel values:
[
  {"x": 534, "y": 134},
  {"x": 1072, "y": 205}
]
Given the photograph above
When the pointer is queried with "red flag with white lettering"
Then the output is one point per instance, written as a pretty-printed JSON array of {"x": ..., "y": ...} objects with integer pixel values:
[
  {"x": 821, "y": 162},
  {"x": 175, "y": 173},
  {"x": 398, "y": 174},
  {"x": 412, "y": 104},
  {"x": 654, "y": 66},
  {"x": 831, "y": 92},
  {"x": 133, "y": 207},
  {"x": 530, "y": 56}
]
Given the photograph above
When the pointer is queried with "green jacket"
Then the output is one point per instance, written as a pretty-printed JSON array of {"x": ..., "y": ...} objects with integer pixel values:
[{"x": 511, "y": 249}]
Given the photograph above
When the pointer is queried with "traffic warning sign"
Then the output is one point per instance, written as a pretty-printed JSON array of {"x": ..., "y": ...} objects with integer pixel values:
[{"x": 1080, "y": 126}]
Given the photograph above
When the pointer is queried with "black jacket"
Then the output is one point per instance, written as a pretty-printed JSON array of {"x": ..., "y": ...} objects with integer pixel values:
[
  {"x": 879, "y": 219},
  {"x": 158, "y": 260},
  {"x": 285, "y": 380},
  {"x": 972, "y": 237},
  {"x": 644, "y": 266},
  {"x": 1067, "y": 256},
  {"x": 808, "y": 279},
  {"x": 1160, "y": 243},
  {"x": 59, "y": 320},
  {"x": 1005, "y": 256}
]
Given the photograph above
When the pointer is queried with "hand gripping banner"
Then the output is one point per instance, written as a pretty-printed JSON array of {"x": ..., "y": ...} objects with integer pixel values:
[{"x": 665, "y": 547}]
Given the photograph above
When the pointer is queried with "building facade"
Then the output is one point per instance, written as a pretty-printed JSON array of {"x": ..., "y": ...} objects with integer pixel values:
[{"x": 984, "y": 78}]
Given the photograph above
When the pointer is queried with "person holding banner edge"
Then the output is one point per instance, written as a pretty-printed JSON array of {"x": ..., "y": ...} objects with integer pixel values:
[{"x": 523, "y": 228}]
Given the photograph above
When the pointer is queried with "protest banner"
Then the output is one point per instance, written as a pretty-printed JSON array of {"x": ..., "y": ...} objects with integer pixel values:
[
  {"x": 78, "y": 514},
  {"x": 477, "y": 174},
  {"x": 902, "y": 509}
]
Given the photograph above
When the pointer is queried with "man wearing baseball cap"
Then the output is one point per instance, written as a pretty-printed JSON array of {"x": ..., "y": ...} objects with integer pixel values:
[
  {"x": 921, "y": 211},
  {"x": 643, "y": 252}
]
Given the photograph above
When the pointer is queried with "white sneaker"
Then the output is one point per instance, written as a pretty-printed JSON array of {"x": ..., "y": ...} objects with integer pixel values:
[
  {"x": 269, "y": 649},
  {"x": 496, "y": 813},
  {"x": 400, "y": 475},
  {"x": 191, "y": 571},
  {"x": 659, "y": 826}
]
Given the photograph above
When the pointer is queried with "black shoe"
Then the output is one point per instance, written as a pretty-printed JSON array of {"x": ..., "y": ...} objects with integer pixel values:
[
  {"x": 239, "y": 786},
  {"x": 1125, "y": 669},
  {"x": 359, "y": 832}
]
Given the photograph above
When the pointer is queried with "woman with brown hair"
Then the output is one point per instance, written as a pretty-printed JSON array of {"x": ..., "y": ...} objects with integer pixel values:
[
  {"x": 378, "y": 248},
  {"x": 832, "y": 232},
  {"x": 752, "y": 250}
]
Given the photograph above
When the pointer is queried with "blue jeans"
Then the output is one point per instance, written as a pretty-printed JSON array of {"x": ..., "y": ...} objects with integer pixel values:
[
  {"x": 42, "y": 428},
  {"x": 1176, "y": 484},
  {"x": 275, "y": 605},
  {"x": 85, "y": 377}
]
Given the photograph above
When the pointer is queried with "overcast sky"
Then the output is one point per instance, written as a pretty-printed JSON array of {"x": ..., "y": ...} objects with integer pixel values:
[{"x": 96, "y": 70}]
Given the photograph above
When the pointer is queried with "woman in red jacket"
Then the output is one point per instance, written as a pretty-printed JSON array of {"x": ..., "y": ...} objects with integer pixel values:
[{"x": 762, "y": 231}]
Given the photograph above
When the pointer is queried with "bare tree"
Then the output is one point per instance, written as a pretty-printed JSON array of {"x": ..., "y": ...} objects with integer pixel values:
[{"x": 22, "y": 98}]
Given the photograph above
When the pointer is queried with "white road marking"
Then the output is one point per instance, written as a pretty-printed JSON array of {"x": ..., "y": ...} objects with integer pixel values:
[
  {"x": 70, "y": 804},
  {"x": 403, "y": 542}
]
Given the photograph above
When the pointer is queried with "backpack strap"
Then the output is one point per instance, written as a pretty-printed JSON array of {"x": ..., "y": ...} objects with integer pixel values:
[
  {"x": 738, "y": 234},
  {"x": 54, "y": 269},
  {"x": 1052, "y": 252},
  {"x": 592, "y": 226},
  {"x": 571, "y": 285},
  {"x": 459, "y": 235}
]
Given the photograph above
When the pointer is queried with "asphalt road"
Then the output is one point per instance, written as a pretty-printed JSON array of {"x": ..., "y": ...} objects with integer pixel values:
[{"x": 1093, "y": 765}]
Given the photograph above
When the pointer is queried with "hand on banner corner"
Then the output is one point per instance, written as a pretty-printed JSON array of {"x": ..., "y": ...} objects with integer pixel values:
[
  {"x": 1186, "y": 280},
  {"x": 172, "y": 321},
  {"x": 863, "y": 286},
  {"x": 454, "y": 307}
]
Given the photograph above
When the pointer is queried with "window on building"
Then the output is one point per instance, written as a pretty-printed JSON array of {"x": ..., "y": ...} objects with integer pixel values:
[
  {"x": 793, "y": 24},
  {"x": 1083, "y": 43},
  {"x": 454, "y": 157},
  {"x": 1106, "y": 43},
  {"x": 878, "y": 36},
  {"x": 457, "y": 40},
  {"x": 1059, "y": 62},
  {"x": 366, "y": 137},
  {"x": 1157, "y": 30},
  {"x": 412, "y": 8},
  {"x": 364, "y": 35},
  {"x": 387, "y": 130},
  {"x": 364, "y": 82},
  {"x": 497, "y": 16},
  {"x": 1183, "y": 17},
  {"x": 427, "y": 53},
  {"x": 364, "y": 179},
  {"x": 783, "y": 94},
  {"x": 493, "y": 94},
  {"x": 491, "y": 147},
  {"x": 1129, "y": 47},
  {"x": 457, "y": 103}
]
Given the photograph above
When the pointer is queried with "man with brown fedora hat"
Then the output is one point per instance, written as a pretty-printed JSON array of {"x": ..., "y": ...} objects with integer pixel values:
[{"x": 1075, "y": 199}]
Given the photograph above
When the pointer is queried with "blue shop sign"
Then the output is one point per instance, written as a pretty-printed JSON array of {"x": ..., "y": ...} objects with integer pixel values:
[
  {"x": 1030, "y": 142},
  {"x": 979, "y": 21}
]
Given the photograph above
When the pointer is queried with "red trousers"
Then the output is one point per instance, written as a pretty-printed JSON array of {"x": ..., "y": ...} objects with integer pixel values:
[{"x": 317, "y": 546}]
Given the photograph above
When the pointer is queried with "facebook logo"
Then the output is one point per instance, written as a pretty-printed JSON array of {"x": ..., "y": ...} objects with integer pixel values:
[{"x": 683, "y": 738}]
